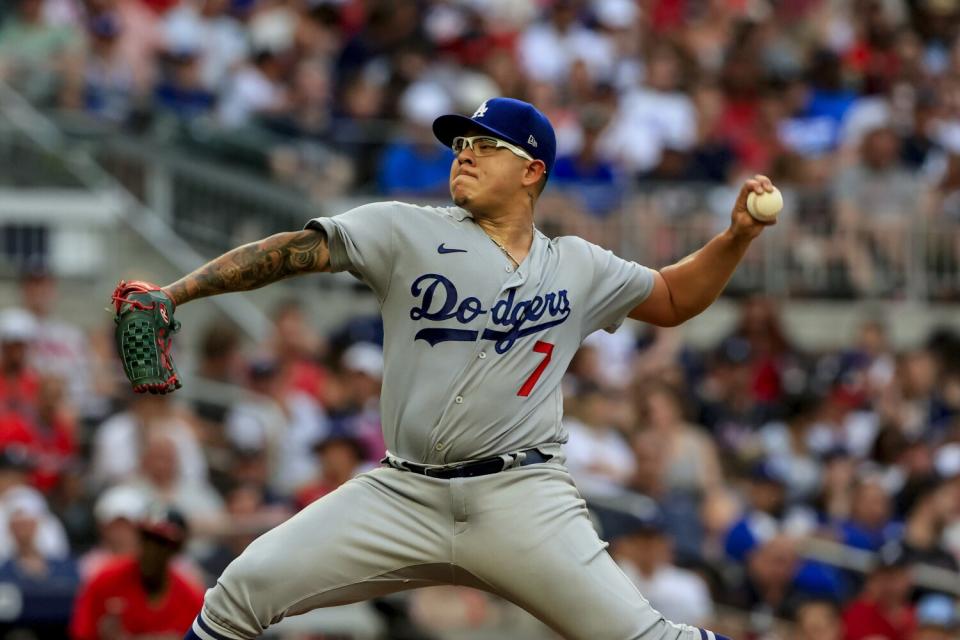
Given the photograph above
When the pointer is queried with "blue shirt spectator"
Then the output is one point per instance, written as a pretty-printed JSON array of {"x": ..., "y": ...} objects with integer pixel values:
[{"x": 407, "y": 167}]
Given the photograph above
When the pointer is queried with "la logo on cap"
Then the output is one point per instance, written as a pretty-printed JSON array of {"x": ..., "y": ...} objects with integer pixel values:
[{"x": 482, "y": 109}]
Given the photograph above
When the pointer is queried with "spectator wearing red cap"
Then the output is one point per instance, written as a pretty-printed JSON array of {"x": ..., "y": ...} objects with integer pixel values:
[{"x": 141, "y": 595}]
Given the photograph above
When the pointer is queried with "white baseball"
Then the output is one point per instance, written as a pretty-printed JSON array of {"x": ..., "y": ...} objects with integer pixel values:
[{"x": 766, "y": 206}]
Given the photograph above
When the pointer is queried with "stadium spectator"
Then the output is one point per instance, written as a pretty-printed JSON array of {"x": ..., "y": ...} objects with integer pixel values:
[
  {"x": 144, "y": 594},
  {"x": 110, "y": 90},
  {"x": 548, "y": 49},
  {"x": 207, "y": 26},
  {"x": 691, "y": 460},
  {"x": 767, "y": 513},
  {"x": 340, "y": 456},
  {"x": 254, "y": 91},
  {"x": 878, "y": 189},
  {"x": 871, "y": 524},
  {"x": 117, "y": 511},
  {"x": 934, "y": 505},
  {"x": 19, "y": 383},
  {"x": 818, "y": 620},
  {"x": 280, "y": 421},
  {"x": 250, "y": 512},
  {"x": 414, "y": 164},
  {"x": 598, "y": 456},
  {"x": 59, "y": 347},
  {"x": 883, "y": 607},
  {"x": 45, "y": 584},
  {"x": 39, "y": 58},
  {"x": 298, "y": 348},
  {"x": 359, "y": 413},
  {"x": 653, "y": 119},
  {"x": 776, "y": 581},
  {"x": 161, "y": 483},
  {"x": 118, "y": 443},
  {"x": 178, "y": 91},
  {"x": 138, "y": 39},
  {"x": 688, "y": 520},
  {"x": 788, "y": 443},
  {"x": 586, "y": 173},
  {"x": 15, "y": 492},
  {"x": 51, "y": 437},
  {"x": 645, "y": 553},
  {"x": 219, "y": 360}
]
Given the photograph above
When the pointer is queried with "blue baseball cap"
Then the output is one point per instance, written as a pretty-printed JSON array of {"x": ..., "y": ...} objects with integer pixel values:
[{"x": 515, "y": 121}]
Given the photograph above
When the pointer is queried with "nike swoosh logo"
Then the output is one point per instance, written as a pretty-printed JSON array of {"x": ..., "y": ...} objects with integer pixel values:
[{"x": 443, "y": 249}]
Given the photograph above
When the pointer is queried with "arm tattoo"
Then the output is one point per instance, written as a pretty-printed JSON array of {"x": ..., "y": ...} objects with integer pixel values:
[{"x": 254, "y": 265}]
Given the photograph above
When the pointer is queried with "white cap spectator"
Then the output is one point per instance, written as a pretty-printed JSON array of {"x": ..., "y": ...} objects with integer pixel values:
[
  {"x": 122, "y": 502},
  {"x": 51, "y": 540},
  {"x": 17, "y": 325},
  {"x": 864, "y": 116},
  {"x": 471, "y": 89},
  {"x": 423, "y": 102},
  {"x": 273, "y": 30},
  {"x": 947, "y": 460},
  {"x": 616, "y": 14},
  {"x": 27, "y": 503},
  {"x": 364, "y": 357}
]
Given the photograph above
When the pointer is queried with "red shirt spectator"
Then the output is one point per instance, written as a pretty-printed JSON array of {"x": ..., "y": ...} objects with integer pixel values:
[
  {"x": 865, "y": 619},
  {"x": 883, "y": 610},
  {"x": 19, "y": 390},
  {"x": 47, "y": 433},
  {"x": 340, "y": 455},
  {"x": 115, "y": 599}
]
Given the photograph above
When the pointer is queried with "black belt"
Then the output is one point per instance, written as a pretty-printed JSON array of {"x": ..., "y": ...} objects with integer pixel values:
[{"x": 473, "y": 468}]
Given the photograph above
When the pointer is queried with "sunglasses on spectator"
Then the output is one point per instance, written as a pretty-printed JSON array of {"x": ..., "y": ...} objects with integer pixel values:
[{"x": 486, "y": 146}]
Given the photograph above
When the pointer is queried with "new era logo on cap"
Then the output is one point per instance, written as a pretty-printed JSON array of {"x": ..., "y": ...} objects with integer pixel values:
[{"x": 512, "y": 120}]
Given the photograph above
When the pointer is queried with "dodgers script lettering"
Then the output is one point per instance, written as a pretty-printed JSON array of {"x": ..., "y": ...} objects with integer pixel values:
[{"x": 439, "y": 301}]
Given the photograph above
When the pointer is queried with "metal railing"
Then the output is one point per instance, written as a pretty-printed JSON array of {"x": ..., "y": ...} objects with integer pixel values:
[
  {"x": 806, "y": 255},
  {"x": 35, "y": 136}
]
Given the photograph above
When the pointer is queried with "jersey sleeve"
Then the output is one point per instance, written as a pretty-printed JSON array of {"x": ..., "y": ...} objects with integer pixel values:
[
  {"x": 617, "y": 287},
  {"x": 361, "y": 241}
]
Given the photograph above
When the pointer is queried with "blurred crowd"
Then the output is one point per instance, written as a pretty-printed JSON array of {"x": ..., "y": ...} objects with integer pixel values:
[
  {"x": 710, "y": 471},
  {"x": 853, "y": 106},
  {"x": 713, "y": 473}
]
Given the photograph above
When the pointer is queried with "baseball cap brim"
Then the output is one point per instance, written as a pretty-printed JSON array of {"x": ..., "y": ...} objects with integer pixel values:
[{"x": 448, "y": 127}]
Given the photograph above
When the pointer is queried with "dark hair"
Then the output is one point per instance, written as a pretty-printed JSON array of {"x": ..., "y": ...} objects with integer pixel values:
[{"x": 217, "y": 340}]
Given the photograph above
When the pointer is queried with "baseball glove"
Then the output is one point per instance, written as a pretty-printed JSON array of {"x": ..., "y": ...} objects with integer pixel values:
[{"x": 145, "y": 328}]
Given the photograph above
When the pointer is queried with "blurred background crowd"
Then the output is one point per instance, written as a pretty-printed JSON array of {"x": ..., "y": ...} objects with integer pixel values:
[
  {"x": 710, "y": 472},
  {"x": 852, "y": 106},
  {"x": 723, "y": 477}
]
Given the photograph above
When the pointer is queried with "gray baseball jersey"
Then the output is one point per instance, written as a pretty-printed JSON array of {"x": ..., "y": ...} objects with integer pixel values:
[
  {"x": 475, "y": 349},
  {"x": 474, "y": 353}
]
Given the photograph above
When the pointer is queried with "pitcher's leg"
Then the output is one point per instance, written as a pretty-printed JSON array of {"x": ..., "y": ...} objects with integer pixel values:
[
  {"x": 529, "y": 538},
  {"x": 379, "y": 533}
]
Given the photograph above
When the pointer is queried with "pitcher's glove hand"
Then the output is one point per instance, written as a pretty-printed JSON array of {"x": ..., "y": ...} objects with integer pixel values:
[{"x": 145, "y": 327}]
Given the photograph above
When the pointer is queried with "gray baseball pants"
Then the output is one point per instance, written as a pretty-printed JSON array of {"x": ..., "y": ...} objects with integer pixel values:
[{"x": 522, "y": 534}]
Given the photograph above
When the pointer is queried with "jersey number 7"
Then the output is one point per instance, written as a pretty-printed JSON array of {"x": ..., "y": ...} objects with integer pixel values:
[{"x": 540, "y": 347}]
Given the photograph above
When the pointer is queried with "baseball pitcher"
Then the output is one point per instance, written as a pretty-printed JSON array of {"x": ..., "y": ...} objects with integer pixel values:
[{"x": 482, "y": 315}]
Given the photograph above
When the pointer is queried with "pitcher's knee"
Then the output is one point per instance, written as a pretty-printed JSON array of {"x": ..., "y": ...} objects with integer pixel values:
[{"x": 244, "y": 600}]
